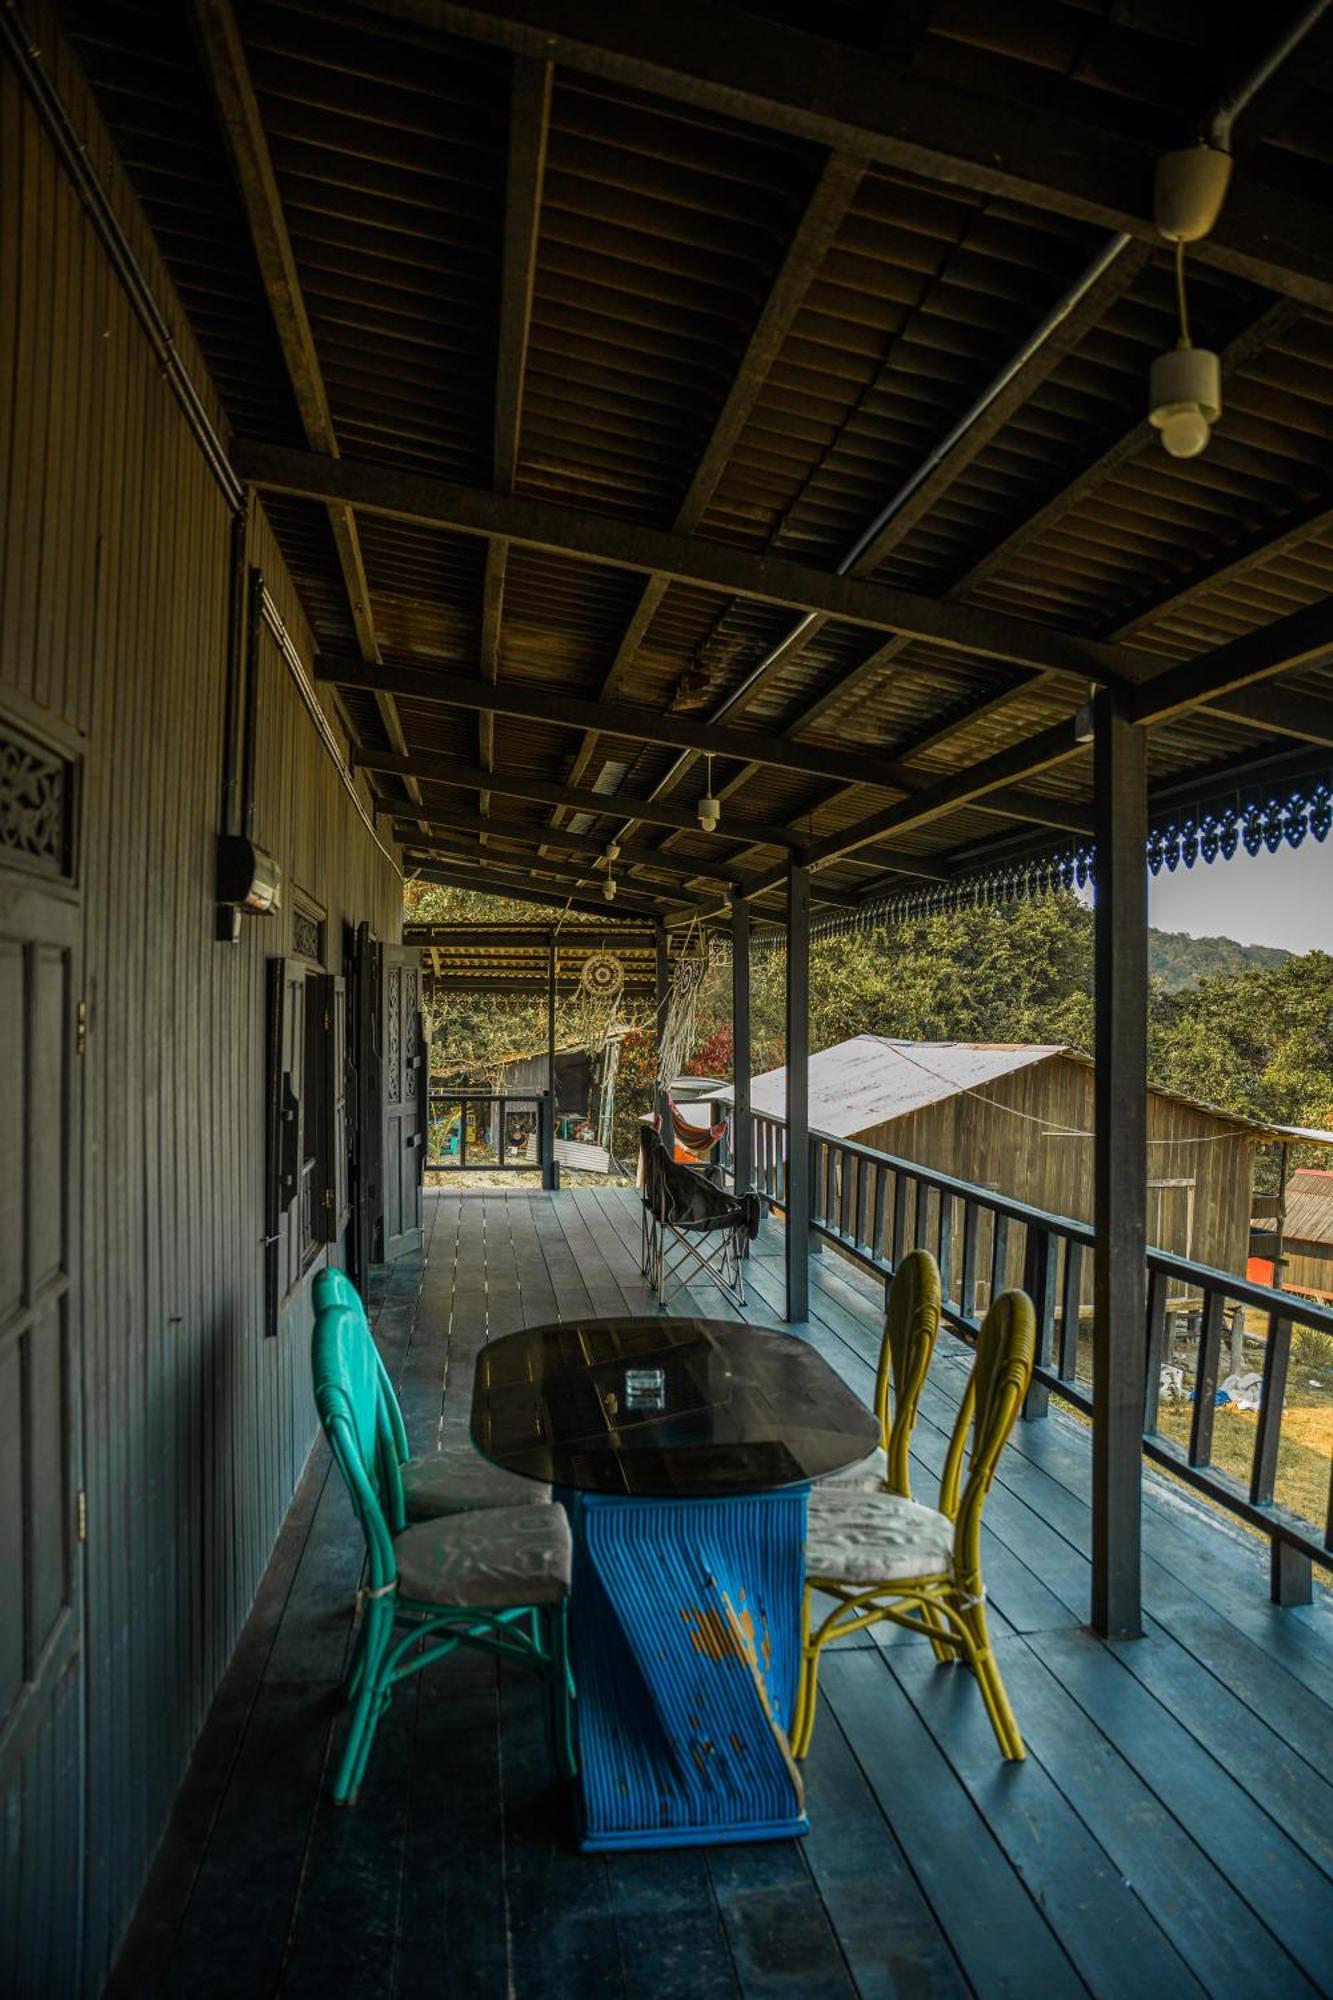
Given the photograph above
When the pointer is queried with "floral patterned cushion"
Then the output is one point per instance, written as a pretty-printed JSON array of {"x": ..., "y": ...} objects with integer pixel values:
[
  {"x": 488, "y": 1557},
  {"x": 457, "y": 1479},
  {"x": 875, "y": 1538},
  {"x": 869, "y": 1476}
]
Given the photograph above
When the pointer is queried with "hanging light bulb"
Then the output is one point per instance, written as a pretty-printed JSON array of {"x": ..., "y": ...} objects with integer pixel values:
[
  {"x": 1185, "y": 386},
  {"x": 609, "y": 889},
  {"x": 709, "y": 808}
]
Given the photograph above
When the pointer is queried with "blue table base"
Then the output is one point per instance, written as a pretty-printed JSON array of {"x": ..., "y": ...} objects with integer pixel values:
[{"x": 686, "y": 1644}]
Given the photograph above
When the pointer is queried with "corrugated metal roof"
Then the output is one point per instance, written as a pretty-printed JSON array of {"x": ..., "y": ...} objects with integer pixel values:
[
  {"x": 1310, "y": 1206},
  {"x": 662, "y": 234},
  {"x": 869, "y": 1080}
]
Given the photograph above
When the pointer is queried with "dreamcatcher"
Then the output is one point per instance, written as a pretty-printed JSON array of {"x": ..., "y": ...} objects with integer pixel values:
[{"x": 597, "y": 998}]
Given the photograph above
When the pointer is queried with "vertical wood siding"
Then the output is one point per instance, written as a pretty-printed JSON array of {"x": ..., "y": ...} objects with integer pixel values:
[
  {"x": 113, "y": 627},
  {"x": 1003, "y": 1138}
]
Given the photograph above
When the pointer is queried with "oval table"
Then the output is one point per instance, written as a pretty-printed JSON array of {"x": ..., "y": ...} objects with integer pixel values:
[{"x": 684, "y": 1450}]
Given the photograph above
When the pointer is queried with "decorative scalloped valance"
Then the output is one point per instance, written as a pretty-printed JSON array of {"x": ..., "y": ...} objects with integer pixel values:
[{"x": 1207, "y": 835}]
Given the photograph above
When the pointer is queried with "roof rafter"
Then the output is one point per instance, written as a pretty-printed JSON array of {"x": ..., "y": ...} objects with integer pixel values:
[
  {"x": 224, "y": 59},
  {"x": 785, "y": 79},
  {"x": 604, "y": 540},
  {"x": 832, "y": 196},
  {"x": 451, "y": 772},
  {"x": 623, "y": 719},
  {"x": 1303, "y": 638},
  {"x": 529, "y": 131}
]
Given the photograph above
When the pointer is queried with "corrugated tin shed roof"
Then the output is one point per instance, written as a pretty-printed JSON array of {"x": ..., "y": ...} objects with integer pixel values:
[
  {"x": 1310, "y": 1206},
  {"x": 870, "y": 1079}
]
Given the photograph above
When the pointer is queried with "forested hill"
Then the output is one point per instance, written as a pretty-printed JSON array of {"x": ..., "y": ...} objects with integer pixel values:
[{"x": 1178, "y": 960}]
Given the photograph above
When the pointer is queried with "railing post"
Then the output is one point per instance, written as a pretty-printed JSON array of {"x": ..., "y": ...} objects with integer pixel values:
[
  {"x": 797, "y": 1235},
  {"x": 546, "y": 1136},
  {"x": 1121, "y": 1170},
  {"x": 1039, "y": 1255},
  {"x": 1291, "y": 1575}
]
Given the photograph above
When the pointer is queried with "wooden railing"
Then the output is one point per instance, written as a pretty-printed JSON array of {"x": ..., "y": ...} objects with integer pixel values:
[
  {"x": 876, "y": 1207},
  {"x": 477, "y": 1130}
]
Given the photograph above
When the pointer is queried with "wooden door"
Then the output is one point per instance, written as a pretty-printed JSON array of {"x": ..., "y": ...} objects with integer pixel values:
[
  {"x": 41, "y": 1503},
  {"x": 367, "y": 1005},
  {"x": 405, "y": 1085}
]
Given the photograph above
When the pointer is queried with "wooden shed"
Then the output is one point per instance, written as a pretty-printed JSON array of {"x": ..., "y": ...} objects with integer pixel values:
[
  {"x": 1308, "y": 1234},
  {"x": 1018, "y": 1118}
]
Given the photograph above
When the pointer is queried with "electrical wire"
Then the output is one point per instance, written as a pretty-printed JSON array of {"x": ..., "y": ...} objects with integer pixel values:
[{"x": 1184, "y": 340}]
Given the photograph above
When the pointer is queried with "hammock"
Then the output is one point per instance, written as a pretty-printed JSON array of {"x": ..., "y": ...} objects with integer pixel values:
[{"x": 698, "y": 1138}]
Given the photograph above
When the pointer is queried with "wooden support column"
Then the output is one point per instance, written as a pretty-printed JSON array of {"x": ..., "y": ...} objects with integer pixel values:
[
  {"x": 1121, "y": 1153},
  {"x": 742, "y": 1133},
  {"x": 797, "y": 1189},
  {"x": 662, "y": 991},
  {"x": 550, "y": 1178}
]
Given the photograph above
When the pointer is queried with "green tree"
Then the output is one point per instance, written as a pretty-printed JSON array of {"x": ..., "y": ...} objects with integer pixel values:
[{"x": 1260, "y": 1043}]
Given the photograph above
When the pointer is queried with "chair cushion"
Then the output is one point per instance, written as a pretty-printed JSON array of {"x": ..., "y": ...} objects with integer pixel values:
[
  {"x": 868, "y": 1477},
  {"x": 457, "y": 1479},
  {"x": 875, "y": 1538},
  {"x": 491, "y": 1557}
]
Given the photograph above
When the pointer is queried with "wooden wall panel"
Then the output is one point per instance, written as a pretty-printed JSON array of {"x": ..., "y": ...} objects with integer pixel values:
[
  {"x": 1006, "y": 1140},
  {"x": 113, "y": 628}
]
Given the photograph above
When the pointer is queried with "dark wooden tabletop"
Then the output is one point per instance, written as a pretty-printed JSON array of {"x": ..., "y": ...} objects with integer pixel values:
[{"x": 661, "y": 1407}]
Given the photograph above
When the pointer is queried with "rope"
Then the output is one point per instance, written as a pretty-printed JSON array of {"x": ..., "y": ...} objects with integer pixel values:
[{"x": 1033, "y": 1118}]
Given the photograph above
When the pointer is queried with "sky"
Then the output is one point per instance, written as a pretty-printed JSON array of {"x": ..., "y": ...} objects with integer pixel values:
[{"x": 1284, "y": 898}]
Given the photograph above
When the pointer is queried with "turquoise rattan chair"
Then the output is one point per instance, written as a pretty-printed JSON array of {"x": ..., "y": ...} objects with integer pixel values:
[
  {"x": 497, "y": 1578},
  {"x": 454, "y": 1480}
]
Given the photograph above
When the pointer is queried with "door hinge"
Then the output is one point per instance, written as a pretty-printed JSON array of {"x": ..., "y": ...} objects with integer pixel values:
[
  {"x": 81, "y": 1514},
  {"x": 328, "y": 1198},
  {"x": 328, "y": 1020},
  {"x": 81, "y": 1028}
]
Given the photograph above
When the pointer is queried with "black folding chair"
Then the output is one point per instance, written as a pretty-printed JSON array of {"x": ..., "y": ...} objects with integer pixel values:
[{"x": 689, "y": 1225}]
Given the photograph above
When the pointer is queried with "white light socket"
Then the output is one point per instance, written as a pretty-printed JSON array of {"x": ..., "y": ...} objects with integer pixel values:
[
  {"x": 1185, "y": 399},
  {"x": 710, "y": 812},
  {"x": 1189, "y": 188}
]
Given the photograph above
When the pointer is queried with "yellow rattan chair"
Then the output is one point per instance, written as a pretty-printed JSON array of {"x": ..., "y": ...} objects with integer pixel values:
[
  {"x": 911, "y": 1324},
  {"x": 882, "y": 1556}
]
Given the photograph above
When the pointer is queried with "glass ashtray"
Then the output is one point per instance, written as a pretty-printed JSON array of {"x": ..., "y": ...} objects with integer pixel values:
[{"x": 645, "y": 1388}]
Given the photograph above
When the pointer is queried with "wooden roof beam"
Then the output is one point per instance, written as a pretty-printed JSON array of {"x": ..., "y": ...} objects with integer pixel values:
[
  {"x": 785, "y": 79},
  {"x": 224, "y": 60},
  {"x": 1303, "y": 638},
  {"x": 601, "y": 539},
  {"x": 578, "y": 847},
  {"x": 1057, "y": 745},
  {"x": 1267, "y": 326},
  {"x": 529, "y": 131},
  {"x": 450, "y": 772},
  {"x": 418, "y": 856},
  {"x": 516, "y": 934},
  {"x": 1278, "y": 710},
  {"x": 832, "y": 196},
  {"x": 486, "y": 882},
  {"x": 1109, "y": 278},
  {"x": 623, "y": 719},
  {"x": 416, "y": 847}
]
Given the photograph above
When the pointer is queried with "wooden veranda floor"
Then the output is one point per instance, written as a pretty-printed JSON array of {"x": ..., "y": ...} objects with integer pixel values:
[{"x": 1171, "y": 1832}]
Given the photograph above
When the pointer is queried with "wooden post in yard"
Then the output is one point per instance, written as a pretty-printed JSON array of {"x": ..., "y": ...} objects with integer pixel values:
[
  {"x": 797, "y": 1190},
  {"x": 1121, "y": 1173},
  {"x": 742, "y": 1147}
]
